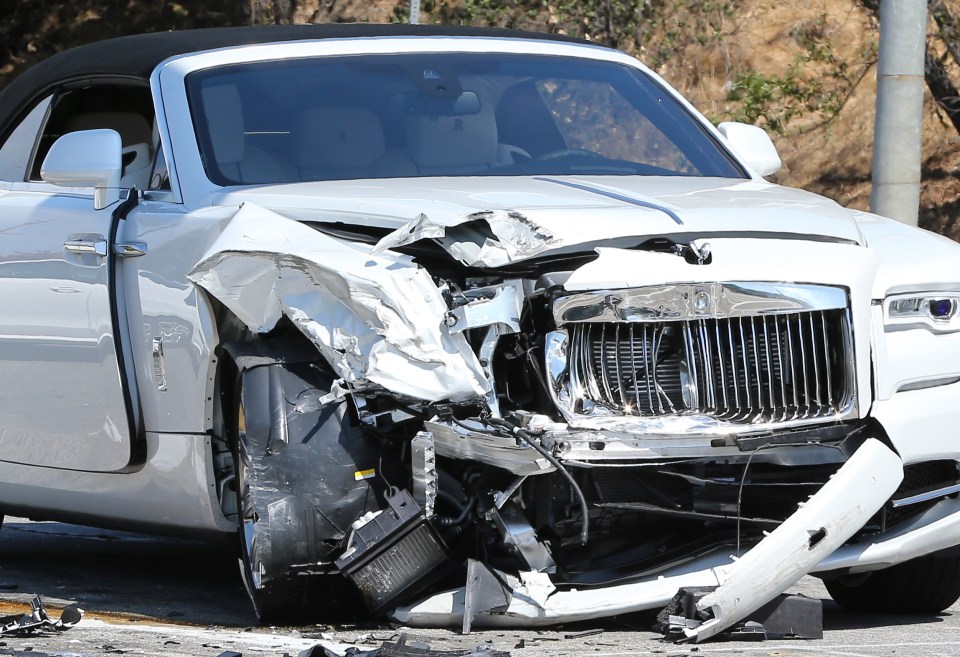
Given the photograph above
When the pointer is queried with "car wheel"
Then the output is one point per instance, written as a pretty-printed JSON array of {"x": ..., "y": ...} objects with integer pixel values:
[
  {"x": 297, "y": 491},
  {"x": 925, "y": 585}
]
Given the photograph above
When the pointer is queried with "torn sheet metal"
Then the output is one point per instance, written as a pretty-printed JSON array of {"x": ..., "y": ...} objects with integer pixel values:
[
  {"x": 490, "y": 238},
  {"x": 501, "y": 307},
  {"x": 458, "y": 441},
  {"x": 38, "y": 621},
  {"x": 375, "y": 319},
  {"x": 486, "y": 590},
  {"x": 840, "y": 508}
]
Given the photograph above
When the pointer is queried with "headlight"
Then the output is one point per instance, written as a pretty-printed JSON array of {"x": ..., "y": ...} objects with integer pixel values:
[{"x": 934, "y": 311}]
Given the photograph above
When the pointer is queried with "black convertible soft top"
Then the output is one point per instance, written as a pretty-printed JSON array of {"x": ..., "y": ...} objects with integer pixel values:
[{"x": 135, "y": 57}]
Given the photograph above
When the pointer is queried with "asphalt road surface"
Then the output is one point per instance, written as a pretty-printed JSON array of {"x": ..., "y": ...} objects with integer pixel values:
[{"x": 152, "y": 596}]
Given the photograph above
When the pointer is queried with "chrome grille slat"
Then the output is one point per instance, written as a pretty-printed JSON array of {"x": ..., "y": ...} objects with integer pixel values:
[
  {"x": 741, "y": 369},
  {"x": 793, "y": 369},
  {"x": 816, "y": 365},
  {"x": 780, "y": 364},
  {"x": 756, "y": 364},
  {"x": 722, "y": 366},
  {"x": 769, "y": 363},
  {"x": 826, "y": 356},
  {"x": 708, "y": 373},
  {"x": 733, "y": 366},
  {"x": 746, "y": 368},
  {"x": 619, "y": 373},
  {"x": 605, "y": 371},
  {"x": 804, "y": 371}
]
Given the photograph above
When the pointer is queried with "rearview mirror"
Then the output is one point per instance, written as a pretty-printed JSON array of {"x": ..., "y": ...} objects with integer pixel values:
[
  {"x": 418, "y": 104},
  {"x": 87, "y": 158}
]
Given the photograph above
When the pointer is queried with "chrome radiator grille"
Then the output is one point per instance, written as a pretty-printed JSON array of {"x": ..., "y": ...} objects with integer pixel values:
[{"x": 746, "y": 369}]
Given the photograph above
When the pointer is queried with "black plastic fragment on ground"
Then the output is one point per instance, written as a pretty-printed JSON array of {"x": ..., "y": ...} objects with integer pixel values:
[
  {"x": 784, "y": 617},
  {"x": 37, "y": 621}
]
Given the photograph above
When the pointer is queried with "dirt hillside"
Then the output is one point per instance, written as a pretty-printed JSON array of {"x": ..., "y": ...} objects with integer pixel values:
[{"x": 805, "y": 70}]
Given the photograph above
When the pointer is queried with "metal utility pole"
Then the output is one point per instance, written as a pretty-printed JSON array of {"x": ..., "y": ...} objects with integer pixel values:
[
  {"x": 898, "y": 129},
  {"x": 414, "y": 12}
]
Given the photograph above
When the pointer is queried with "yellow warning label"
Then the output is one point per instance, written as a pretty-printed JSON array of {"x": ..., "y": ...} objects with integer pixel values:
[{"x": 364, "y": 474}]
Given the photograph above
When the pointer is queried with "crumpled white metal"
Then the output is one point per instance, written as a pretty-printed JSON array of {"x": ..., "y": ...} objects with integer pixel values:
[
  {"x": 468, "y": 237},
  {"x": 375, "y": 319}
]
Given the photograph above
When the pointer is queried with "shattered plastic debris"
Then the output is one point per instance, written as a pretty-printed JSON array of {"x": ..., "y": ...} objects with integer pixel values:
[
  {"x": 404, "y": 648},
  {"x": 37, "y": 621},
  {"x": 785, "y": 617}
]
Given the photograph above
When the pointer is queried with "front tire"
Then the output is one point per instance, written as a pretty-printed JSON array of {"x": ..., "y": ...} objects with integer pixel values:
[
  {"x": 925, "y": 585},
  {"x": 297, "y": 489}
]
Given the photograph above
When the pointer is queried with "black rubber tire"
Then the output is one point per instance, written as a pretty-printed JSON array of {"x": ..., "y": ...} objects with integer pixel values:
[
  {"x": 925, "y": 585},
  {"x": 296, "y": 490}
]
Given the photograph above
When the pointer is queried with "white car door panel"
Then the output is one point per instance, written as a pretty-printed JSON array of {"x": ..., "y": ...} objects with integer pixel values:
[
  {"x": 172, "y": 326},
  {"x": 62, "y": 400}
]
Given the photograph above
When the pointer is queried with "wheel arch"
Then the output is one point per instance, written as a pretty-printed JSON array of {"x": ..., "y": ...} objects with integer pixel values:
[{"x": 290, "y": 469}]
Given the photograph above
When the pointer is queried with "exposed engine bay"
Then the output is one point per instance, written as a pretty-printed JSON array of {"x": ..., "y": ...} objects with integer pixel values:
[{"x": 544, "y": 438}]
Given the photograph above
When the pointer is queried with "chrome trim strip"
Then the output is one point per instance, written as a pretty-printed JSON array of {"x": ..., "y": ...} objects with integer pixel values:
[
  {"x": 926, "y": 497},
  {"x": 928, "y": 383},
  {"x": 615, "y": 196},
  {"x": 683, "y": 302}
]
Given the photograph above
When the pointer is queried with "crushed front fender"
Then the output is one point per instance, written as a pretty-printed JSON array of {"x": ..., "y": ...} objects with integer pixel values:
[{"x": 376, "y": 320}]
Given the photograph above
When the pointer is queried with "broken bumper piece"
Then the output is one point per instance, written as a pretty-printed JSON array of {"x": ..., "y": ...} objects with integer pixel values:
[
  {"x": 742, "y": 585},
  {"x": 784, "y": 617}
]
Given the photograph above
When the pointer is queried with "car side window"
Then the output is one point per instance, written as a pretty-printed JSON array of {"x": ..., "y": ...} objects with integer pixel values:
[
  {"x": 160, "y": 178},
  {"x": 128, "y": 109},
  {"x": 16, "y": 150}
]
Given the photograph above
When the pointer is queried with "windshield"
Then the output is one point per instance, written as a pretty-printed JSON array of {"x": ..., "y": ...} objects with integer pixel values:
[{"x": 450, "y": 114}]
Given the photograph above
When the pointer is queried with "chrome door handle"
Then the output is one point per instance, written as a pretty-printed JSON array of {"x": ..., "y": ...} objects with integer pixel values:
[
  {"x": 130, "y": 249},
  {"x": 99, "y": 247},
  {"x": 83, "y": 247}
]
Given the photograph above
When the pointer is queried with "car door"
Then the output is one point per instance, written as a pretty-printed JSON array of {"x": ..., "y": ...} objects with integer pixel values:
[{"x": 65, "y": 397}]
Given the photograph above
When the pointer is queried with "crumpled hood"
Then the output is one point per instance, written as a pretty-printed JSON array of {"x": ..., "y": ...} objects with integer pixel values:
[{"x": 566, "y": 210}]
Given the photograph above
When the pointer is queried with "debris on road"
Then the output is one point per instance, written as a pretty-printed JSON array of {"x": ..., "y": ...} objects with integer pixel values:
[
  {"x": 784, "y": 617},
  {"x": 403, "y": 648},
  {"x": 38, "y": 621}
]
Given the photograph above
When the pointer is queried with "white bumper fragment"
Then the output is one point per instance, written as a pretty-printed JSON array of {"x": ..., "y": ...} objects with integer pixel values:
[
  {"x": 824, "y": 523},
  {"x": 830, "y": 517}
]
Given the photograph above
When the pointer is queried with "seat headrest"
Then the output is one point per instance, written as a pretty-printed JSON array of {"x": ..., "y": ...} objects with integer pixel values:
[
  {"x": 132, "y": 127},
  {"x": 452, "y": 141},
  {"x": 339, "y": 137}
]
